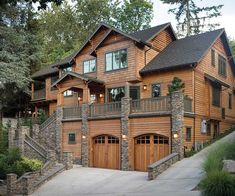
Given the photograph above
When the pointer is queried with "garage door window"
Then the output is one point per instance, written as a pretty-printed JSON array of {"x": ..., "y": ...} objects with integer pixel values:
[
  {"x": 160, "y": 140},
  {"x": 100, "y": 140},
  {"x": 113, "y": 140},
  {"x": 143, "y": 140}
]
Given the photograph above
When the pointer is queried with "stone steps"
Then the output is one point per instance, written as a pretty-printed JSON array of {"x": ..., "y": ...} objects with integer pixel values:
[{"x": 52, "y": 172}]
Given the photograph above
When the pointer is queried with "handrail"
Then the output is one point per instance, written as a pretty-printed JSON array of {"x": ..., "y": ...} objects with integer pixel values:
[
  {"x": 159, "y": 104},
  {"x": 48, "y": 121},
  {"x": 104, "y": 109},
  {"x": 39, "y": 94},
  {"x": 72, "y": 112}
]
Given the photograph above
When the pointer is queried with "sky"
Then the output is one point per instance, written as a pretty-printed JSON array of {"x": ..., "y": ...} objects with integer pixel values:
[{"x": 227, "y": 20}]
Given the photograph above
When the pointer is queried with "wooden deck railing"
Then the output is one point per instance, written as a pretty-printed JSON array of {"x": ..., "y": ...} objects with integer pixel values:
[
  {"x": 72, "y": 112},
  {"x": 187, "y": 104},
  {"x": 104, "y": 109},
  {"x": 39, "y": 94},
  {"x": 160, "y": 104}
]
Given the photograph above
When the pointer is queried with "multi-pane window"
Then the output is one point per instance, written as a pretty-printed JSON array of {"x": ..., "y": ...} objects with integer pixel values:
[
  {"x": 100, "y": 139},
  {"x": 230, "y": 101},
  {"x": 222, "y": 66},
  {"x": 116, "y": 94},
  {"x": 89, "y": 66},
  {"x": 188, "y": 134},
  {"x": 71, "y": 138},
  {"x": 213, "y": 57},
  {"x": 113, "y": 140},
  {"x": 116, "y": 60},
  {"x": 156, "y": 90},
  {"x": 66, "y": 69},
  {"x": 216, "y": 96},
  {"x": 68, "y": 93}
]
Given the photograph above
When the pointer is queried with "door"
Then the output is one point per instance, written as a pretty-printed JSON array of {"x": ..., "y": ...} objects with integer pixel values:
[
  {"x": 149, "y": 149},
  {"x": 134, "y": 92},
  {"x": 106, "y": 152}
]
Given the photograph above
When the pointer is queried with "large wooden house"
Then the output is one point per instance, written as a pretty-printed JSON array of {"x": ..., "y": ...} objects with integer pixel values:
[{"x": 110, "y": 65}]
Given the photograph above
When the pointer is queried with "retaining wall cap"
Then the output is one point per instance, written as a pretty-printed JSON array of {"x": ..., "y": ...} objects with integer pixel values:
[{"x": 165, "y": 159}]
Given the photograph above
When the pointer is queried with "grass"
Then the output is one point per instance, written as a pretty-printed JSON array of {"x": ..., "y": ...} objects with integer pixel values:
[{"x": 218, "y": 182}]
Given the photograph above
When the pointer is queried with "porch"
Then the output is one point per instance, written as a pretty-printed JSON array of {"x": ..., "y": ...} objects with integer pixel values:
[{"x": 139, "y": 107}]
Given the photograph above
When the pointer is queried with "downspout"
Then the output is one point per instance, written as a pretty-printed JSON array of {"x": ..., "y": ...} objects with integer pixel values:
[{"x": 194, "y": 108}]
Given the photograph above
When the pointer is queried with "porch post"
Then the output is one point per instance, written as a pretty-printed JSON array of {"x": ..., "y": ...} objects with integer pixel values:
[
  {"x": 85, "y": 156},
  {"x": 177, "y": 116},
  {"x": 59, "y": 117},
  {"x": 125, "y": 111},
  {"x": 86, "y": 94}
]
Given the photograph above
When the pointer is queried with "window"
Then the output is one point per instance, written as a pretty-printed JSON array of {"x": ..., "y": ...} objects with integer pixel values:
[
  {"x": 208, "y": 128},
  {"x": 116, "y": 60},
  {"x": 113, "y": 140},
  {"x": 134, "y": 92},
  {"x": 72, "y": 138},
  {"x": 68, "y": 93},
  {"x": 212, "y": 57},
  {"x": 66, "y": 69},
  {"x": 100, "y": 139},
  {"x": 222, "y": 66},
  {"x": 188, "y": 134},
  {"x": 116, "y": 94},
  {"x": 89, "y": 66},
  {"x": 230, "y": 101},
  {"x": 216, "y": 96},
  {"x": 156, "y": 90}
]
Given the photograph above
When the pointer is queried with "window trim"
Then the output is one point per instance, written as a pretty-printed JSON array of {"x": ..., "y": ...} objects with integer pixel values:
[
  {"x": 89, "y": 65},
  {"x": 112, "y": 51},
  {"x": 72, "y": 142},
  {"x": 114, "y": 88},
  {"x": 213, "y": 57},
  {"x": 213, "y": 103},
  {"x": 186, "y": 139},
  {"x": 152, "y": 89},
  {"x": 219, "y": 58}
]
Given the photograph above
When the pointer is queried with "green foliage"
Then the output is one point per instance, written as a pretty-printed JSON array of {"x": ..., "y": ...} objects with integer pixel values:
[
  {"x": 12, "y": 162},
  {"x": 176, "y": 85},
  {"x": 218, "y": 183},
  {"x": 232, "y": 46},
  {"x": 3, "y": 139},
  {"x": 134, "y": 15},
  {"x": 191, "y": 18},
  {"x": 41, "y": 116}
]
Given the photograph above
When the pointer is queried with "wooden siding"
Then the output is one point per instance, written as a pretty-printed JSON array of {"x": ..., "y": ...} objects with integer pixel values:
[{"x": 71, "y": 127}]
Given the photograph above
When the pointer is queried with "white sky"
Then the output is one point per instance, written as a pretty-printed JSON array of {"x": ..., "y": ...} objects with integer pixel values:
[{"x": 227, "y": 20}]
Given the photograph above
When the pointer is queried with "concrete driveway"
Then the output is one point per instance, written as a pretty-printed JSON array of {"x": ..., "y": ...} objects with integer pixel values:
[{"x": 178, "y": 180}]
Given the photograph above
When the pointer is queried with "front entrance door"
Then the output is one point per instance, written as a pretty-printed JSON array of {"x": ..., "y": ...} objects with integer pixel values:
[
  {"x": 149, "y": 149},
  {"x": 106, "y": 152}
]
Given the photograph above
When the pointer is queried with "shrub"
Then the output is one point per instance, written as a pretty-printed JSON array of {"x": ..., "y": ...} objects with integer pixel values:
[
  {"x": 218, "y": 183},
  {"x": 31, "y": 164}
]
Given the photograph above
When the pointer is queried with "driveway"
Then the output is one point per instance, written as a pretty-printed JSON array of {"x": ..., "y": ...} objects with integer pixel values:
[{"x": 179, "y": 180}]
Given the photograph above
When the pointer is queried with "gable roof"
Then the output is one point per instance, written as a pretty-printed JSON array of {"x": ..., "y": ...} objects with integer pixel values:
[
  {"x": 186, "y": 51},
  {"x": 48, "y": 70},
  {"x": 148, "y": 34},
  {"x": 77, "y": 75}
]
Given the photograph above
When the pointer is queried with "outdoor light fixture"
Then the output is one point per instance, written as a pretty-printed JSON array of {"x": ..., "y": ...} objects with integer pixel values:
[
  {"x": 79, "y": 98},
  {"x": 83, "y": 137},
  {"x": 124, "y": 137},
  {"x": 175, "y": 135},
  {"x": 145, "y": 87},
  {"x": 101, "y": 95}
]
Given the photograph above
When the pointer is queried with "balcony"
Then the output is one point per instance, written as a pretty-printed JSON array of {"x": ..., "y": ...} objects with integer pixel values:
[{"x": 39, "y": 94}]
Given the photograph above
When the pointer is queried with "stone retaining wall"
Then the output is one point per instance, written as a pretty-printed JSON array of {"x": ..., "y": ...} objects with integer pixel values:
[{"x": 158, "y": 167}]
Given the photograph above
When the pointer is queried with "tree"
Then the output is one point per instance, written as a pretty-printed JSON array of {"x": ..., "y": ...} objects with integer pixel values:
[
  {"x": 232, "y": 46},
  {"x": 176, "y": 85},
  {"x": 134, "y": 15},
  {"x": 64, "y": 28},
  {"x": 191, "y": 18}
]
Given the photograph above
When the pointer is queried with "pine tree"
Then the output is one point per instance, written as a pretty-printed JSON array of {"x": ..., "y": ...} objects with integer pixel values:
[
  {"x": 193, "y": 19},
  {"x": 176, "y": 85}
]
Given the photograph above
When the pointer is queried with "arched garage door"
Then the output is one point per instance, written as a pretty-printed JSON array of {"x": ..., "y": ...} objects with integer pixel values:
[
  {"x": 149, "y": 149},
  {"x": 106, "y": 152}
]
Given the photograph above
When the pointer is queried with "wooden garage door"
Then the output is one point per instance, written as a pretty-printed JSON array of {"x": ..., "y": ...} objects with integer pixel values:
[
  {"x": 106, "y": 152},
  {"x": 149, "y": 149}
]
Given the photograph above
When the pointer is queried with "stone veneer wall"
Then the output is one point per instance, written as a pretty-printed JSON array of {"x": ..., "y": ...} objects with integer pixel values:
[
  {"x": 158, "y": 167},
  {"x": 125, "y": 111},
  {"x": 85, "y": 145},
  {"x": 177, "y": 116}
]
